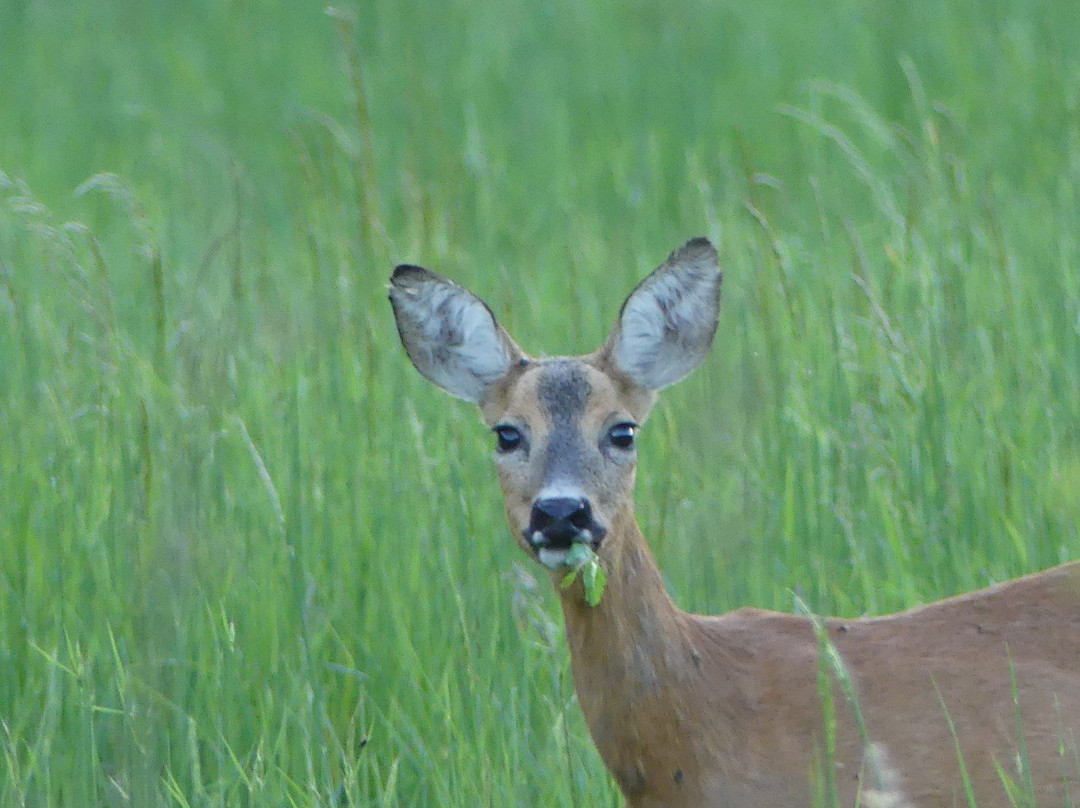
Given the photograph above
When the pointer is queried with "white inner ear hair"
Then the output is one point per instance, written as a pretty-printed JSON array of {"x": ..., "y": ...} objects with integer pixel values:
[
  {"x": 667, "y": 326},
  {"x": 456, "y": 342}
]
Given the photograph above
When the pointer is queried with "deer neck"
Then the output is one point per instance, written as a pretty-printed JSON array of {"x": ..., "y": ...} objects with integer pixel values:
[
  {"x": 635, "y": 632},
  {"x": 637, "y": 666}
]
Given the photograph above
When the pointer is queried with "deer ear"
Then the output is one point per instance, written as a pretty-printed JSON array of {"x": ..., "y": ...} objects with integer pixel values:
[
  {"x": 667, "y": 324},
  {"x": 451, "y": 336}
]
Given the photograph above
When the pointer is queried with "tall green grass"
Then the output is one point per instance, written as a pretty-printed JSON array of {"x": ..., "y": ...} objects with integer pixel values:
[{"x": 248, "y": 557}]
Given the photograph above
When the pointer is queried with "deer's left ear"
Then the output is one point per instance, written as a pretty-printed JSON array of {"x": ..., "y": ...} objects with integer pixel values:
[
  {"x": 667, "y": 324},
  {"x": 450, "y": 334}
]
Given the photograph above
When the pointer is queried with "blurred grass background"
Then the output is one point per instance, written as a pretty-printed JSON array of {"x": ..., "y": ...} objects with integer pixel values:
[{"x": 249, "y": 557}]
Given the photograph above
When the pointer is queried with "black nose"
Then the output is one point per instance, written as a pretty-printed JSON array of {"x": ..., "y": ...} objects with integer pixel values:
[{"x": 559, "y": 520}]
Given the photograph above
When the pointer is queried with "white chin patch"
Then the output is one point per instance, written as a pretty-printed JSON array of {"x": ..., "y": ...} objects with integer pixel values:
[{"x": 553, "y": 559}]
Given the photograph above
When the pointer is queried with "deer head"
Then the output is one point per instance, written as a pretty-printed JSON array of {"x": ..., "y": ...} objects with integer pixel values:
[{"x": 565, "y": 427}]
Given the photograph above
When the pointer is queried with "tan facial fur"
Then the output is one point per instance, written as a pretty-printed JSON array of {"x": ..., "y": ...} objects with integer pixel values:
[{"x": 565, "y": 408}]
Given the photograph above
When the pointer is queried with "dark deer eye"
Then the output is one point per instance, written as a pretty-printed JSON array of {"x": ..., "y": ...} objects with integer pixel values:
[
  {"x": 622, "y": 435},
  {"x": 509, "y": 437}
]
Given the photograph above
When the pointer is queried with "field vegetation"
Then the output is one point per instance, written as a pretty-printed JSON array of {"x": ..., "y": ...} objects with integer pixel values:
[{"x": 248, "y": 557}]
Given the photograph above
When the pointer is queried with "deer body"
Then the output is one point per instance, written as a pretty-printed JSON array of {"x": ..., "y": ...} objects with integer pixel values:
[
  {"x": 688, "y": 710},
  {"x": 710, "y": 712}
]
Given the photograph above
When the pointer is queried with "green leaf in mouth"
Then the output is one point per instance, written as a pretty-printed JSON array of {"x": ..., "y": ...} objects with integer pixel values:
[{"x": 581, "y": 559}]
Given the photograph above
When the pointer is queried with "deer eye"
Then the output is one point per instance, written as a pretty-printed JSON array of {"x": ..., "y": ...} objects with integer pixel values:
[
  {"x": 622, "y": 435},
  {"x": 509, "y": 437}
]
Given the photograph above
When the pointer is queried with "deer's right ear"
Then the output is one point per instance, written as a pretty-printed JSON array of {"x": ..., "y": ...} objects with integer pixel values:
[
  {"x": 667, "y": 324},
  {"x": 451, "y": 336}
]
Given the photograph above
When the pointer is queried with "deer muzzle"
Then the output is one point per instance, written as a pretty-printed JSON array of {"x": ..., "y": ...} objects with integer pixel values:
[{"x": 556, "y": 523}]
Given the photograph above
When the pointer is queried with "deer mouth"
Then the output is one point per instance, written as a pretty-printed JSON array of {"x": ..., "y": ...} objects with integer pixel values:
[
  {"x": 556, "y": 524},
  {"x": 552, "y": 551}
]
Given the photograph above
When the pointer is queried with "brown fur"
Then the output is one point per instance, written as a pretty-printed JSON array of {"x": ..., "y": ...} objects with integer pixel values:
[
  {"x": 726, "y": 712},
  {"x": 690, "y": 711}
]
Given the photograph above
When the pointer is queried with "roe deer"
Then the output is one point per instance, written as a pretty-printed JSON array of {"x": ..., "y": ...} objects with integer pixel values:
[{"x": 699, "y": 711}]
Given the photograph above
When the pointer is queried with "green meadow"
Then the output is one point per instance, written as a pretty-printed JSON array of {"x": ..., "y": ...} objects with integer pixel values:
[{"x": 249, "y": 557}]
